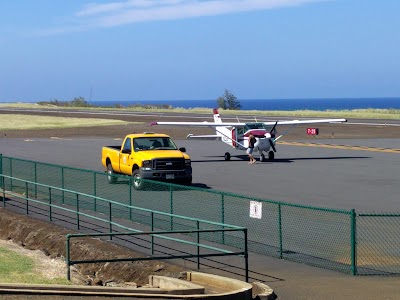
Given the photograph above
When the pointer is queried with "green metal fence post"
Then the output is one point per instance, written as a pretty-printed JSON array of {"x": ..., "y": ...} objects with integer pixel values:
[
  {"x": 26, "y": 198},
  {"x": 11, "y": 174},
  {"x": 4, "y": 192},
  {"x": 50, "y": 207},
  {"x": 95, "y": 191},
  {"x": 110, "y": 218},
  {"x": 171, "y": 208},
  {"x": 67, "y": 261},
  {"x": 35, "y": 175},
  {"x": 62, "y": 185},
  {"x": 77, "y": 211},
  {"x": 198, "y": 242},
  {"x": 223, "y": 216},
  {"x": 353, "y": 237},
  {"x": 130, "y": 198},
  {"x": 246, "y": 255},
  {"x": 2, "y": 180},
  {"x": 152, "y": 236},
  {"x": 280, "y": 231}
]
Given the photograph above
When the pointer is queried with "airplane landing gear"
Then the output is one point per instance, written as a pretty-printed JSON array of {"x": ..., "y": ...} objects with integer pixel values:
[
  {"x": 271, "y": 155},
  {"x": 227, "y": 156}
]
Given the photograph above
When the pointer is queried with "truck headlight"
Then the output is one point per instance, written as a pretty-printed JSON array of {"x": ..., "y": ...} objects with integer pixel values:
[
  {"x": 188, "y": 162},
  {"x": 147, "y": 164}
]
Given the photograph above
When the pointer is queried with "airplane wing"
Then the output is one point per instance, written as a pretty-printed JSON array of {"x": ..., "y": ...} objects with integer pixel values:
[
  {"x": 212, "y": 124},
  {"x": 204, "y": 124},
  {"x": 207, "y": 136},
  {"x": 294, "y": 122}
]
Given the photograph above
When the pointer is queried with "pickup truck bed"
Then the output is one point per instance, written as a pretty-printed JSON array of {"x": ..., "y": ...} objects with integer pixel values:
[{"x": 114, "y": 147}]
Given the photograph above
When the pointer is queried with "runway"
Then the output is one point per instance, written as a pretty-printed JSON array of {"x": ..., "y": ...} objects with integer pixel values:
[
  {"x": 178, "y": 116},
  {"x": 340, "y": 174}
]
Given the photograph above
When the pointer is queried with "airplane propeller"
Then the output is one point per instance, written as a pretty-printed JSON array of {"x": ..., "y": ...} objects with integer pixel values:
[
  {"x": 272, "y": 134},
  {"x": 272, "y": 131},
  {"x": 272, "y": 144}
]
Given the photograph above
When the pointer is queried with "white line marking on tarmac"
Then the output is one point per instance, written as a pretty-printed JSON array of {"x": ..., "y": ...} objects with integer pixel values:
[{"x": 58, "y": 138}]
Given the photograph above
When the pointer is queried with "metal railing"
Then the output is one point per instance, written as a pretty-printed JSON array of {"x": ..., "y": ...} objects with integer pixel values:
[
  {"x": 50, "y": 197},
  {"x": 198, "y": 255}
]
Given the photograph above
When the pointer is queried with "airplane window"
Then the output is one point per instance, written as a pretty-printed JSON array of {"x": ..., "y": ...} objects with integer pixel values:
[
  {"x": 240, "y": 130},
  {"x": 249, "y": 126}
]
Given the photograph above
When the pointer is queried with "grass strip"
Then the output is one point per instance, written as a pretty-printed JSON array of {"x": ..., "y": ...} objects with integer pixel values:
[
  {"x": 17, "y": 268},
  {"x": 369, "y": 113},
  {"x": 19, "y": 121}
]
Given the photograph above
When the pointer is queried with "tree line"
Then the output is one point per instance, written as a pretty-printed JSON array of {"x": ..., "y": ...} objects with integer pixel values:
[{"x": 227, "y": 101}]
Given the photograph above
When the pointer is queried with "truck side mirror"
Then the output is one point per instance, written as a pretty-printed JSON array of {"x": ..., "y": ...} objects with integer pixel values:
[
  {"x": 126, "y": 151},
  {"x": 183, "y": 149}
]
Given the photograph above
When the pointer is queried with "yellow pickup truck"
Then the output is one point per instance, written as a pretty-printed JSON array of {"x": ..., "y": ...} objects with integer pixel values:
[{"x": 147, "y": 156}]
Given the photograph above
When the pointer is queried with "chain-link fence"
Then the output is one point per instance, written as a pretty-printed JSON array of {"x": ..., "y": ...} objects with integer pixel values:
[{"x": 341, "y": 240}]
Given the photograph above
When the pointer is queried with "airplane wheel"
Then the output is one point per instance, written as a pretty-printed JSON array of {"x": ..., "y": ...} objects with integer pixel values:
[
  {"x": 271, "y": 155},
  {"x": 262, "y": 157},
  {"x": 227, "y": 156}
]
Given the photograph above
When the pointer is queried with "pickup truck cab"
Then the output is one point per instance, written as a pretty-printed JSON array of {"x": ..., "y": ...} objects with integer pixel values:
[{"x": 152, "y": 156}]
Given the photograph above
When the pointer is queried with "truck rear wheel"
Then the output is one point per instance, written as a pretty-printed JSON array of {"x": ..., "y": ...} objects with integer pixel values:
[
  {"x": 111, "y": 178},
  {"x": 138, "y": 182}
]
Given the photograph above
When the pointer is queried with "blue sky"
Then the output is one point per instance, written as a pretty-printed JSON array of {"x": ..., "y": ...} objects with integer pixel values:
[{"x": 195, "y": 49}]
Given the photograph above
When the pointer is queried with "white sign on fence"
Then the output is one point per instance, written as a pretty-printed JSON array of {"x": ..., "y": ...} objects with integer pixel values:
[{"x": 255, "y": 209}]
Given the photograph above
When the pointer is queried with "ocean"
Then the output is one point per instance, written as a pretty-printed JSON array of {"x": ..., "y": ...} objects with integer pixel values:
[{"x": 274, "y": 104}]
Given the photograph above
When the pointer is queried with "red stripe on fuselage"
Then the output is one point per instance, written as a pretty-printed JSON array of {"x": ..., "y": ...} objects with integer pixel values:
[{"x": 256, "y": 132}]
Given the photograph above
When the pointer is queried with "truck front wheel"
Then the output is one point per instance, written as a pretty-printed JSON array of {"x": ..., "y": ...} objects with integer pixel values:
[
  {"x": 187, "y": 181},
  {"x": 111, "y": 178},
  {"x": 138, "y": 182}
]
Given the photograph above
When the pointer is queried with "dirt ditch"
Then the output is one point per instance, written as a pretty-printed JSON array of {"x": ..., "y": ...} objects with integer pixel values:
[{"x": 47, "y": 244}]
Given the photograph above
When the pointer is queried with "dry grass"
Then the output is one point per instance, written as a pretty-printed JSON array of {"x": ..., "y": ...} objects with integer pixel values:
[
  {"x": 369, "y": 113},
  {"x": 19, "y": 122}
]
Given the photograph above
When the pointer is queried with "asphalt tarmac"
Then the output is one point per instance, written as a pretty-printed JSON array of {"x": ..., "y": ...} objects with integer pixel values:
[{"x": 340, "y": 177}]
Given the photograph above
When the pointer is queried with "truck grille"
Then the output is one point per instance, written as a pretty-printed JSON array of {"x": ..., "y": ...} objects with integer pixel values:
[{"x": 169, "y": 164}]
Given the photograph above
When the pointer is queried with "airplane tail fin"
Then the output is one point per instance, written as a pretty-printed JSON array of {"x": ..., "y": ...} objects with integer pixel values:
[
  {"x": 220, "y": 130},
  {"x": 223, "y": 132},
  {"x": 217, "y": 118}
]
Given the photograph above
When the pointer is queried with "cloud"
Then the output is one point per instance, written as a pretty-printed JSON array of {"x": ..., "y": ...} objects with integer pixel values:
[
  {"x": 120, "y": 13},
  {"x": 115, "y": 7}
]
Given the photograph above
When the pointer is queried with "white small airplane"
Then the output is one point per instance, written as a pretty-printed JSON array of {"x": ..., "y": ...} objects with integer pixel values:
[{"x": 236, "y": 134}]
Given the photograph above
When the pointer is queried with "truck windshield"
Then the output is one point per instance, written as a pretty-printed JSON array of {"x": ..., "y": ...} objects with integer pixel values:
[{"x": 153, "y": 143}]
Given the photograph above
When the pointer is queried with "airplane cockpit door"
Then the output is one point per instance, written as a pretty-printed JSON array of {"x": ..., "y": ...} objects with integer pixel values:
[
  {"x": 234, "y": 135},
  {"x": 238, "y": 133}
]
